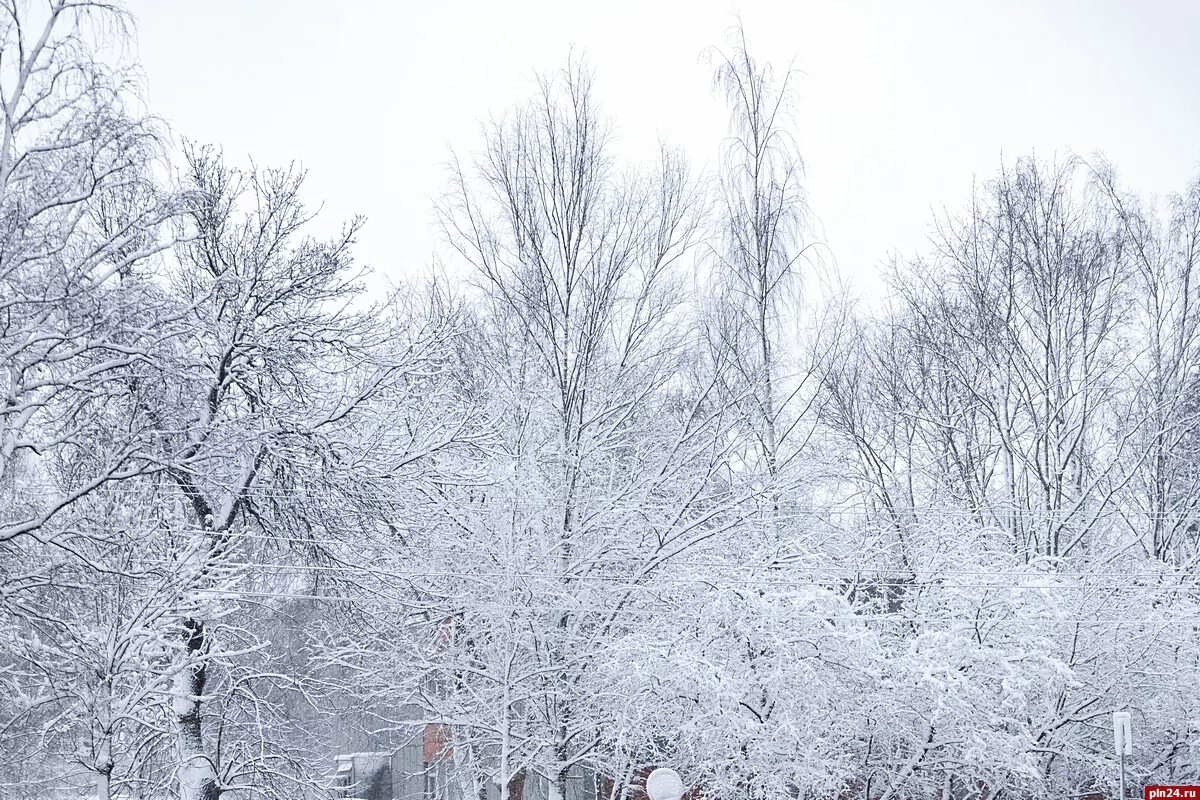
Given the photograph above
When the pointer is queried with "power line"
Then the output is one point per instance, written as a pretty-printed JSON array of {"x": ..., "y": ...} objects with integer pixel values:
[
  {"x": 744, "y": 504},
  {"x": 816, "y": 617},
  {"x": 676, "y": 579}
]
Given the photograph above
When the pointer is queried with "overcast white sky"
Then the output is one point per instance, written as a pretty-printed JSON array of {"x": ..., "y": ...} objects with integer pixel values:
[{"x": 901, "y": 105}]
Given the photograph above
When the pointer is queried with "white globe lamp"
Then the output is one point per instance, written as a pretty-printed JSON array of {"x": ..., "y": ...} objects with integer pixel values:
[{"x": 664, "y": 784}]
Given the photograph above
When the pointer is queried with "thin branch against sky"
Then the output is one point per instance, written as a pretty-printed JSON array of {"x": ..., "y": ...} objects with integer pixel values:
[{"x": 900, "y": 105}]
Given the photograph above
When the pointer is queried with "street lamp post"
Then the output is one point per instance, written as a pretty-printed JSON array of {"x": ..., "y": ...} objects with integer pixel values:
[
  {"x": 664, "y": 784},
  {"x": 1122, "y": 742}
]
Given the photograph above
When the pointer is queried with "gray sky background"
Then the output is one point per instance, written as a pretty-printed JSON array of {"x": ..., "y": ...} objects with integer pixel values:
[{"x": 901, "y": 104}]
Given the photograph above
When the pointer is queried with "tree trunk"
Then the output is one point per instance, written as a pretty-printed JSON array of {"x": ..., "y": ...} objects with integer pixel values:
[
  {"x": 104, "y": 785},
  {"x": 197, "y": 775}
]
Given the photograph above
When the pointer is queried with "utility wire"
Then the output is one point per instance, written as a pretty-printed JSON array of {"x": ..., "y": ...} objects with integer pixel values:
[{"x": 657, "y": 578}]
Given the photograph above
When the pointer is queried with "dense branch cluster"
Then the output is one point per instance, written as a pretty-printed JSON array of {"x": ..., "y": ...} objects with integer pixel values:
[{"x": 646, "y": 490}]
